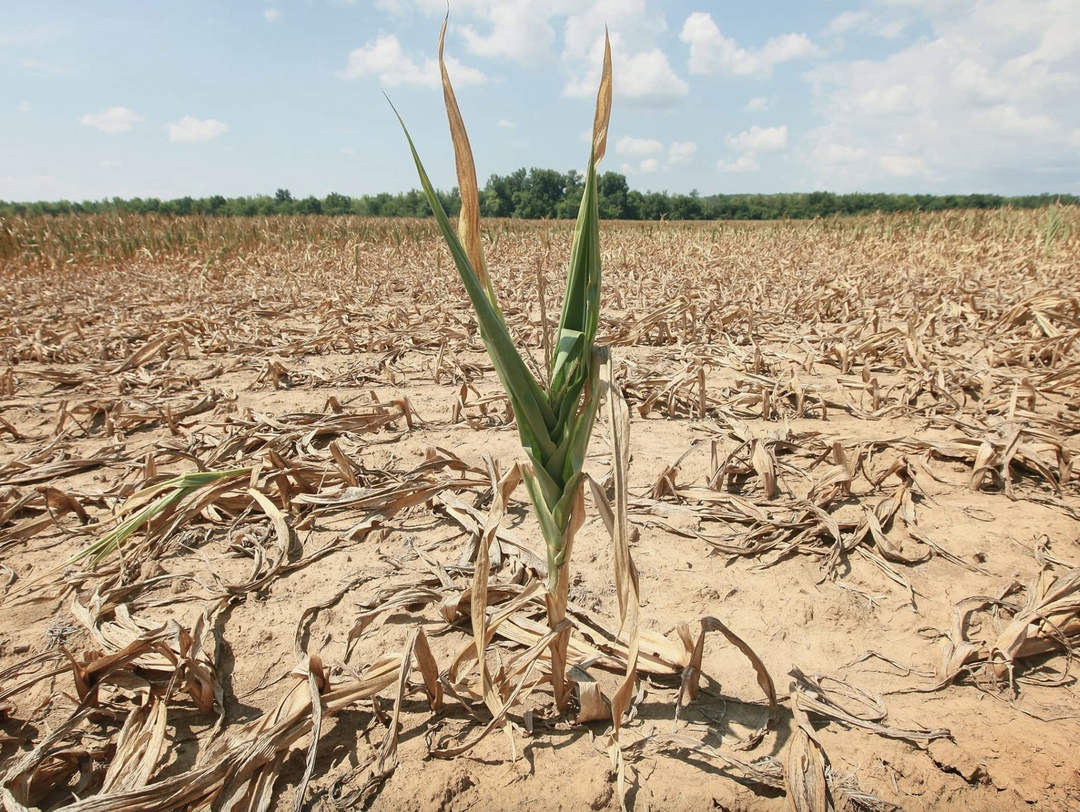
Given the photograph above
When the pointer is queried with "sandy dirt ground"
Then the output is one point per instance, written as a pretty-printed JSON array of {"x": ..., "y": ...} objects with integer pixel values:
[{"x": 851, "y": 444}]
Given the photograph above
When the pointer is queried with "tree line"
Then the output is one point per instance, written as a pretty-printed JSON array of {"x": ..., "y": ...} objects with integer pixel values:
[{"x": 547, "y": 193}]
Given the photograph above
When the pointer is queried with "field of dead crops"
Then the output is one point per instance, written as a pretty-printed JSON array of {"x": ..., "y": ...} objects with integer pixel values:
[{"x": 248, "y": 467}]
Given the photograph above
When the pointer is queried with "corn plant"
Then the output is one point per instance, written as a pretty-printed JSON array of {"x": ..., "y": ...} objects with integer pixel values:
[{"x": 555, "y": 419}]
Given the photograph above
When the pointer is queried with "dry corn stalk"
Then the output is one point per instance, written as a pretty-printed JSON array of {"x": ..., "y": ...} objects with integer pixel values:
[{"x": 1048, "y": 620}]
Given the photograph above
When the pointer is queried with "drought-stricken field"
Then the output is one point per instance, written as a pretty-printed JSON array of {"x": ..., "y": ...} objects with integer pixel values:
[{"x": 851, "y": 477}]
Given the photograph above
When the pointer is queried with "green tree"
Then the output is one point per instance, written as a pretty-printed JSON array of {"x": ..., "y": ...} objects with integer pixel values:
[
  {"x": 539, "y": 195},
  {"x": 216, "y": 204},
  {"x": 335, "y": 203},
  {"x": 264, "y": 205},
  {"x": 309, "y": 205},
  {"x": 573, "y": 189},
  {"x": 497, "y": 199},
  {"x": 613, "y": 201},
  {"x": 687, "y": 207},
  {"x": 182, "y": 206}
]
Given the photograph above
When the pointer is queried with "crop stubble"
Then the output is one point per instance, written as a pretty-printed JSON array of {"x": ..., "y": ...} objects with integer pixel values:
[{"x": 851, "y": 449}]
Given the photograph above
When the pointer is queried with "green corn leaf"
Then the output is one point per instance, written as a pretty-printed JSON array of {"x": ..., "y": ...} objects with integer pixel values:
[
  {"x": 534, "y": 415},
  {"x": 554, "y": 424},
  {"x": 166, "y": 495}
]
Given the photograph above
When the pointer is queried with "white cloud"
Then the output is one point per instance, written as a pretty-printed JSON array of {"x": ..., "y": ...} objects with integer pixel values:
[
  {"x": 638, "y": 146},
  {"x": 646, "y": 166},
  {"x": 651, "y": 152},
  {"x": 713, "y": 53},
  {"x": 974, "y": 79},
  {"x": 902, "y": 166},
  {"x": 348, "y": 151},
  {"x": 519, "y": 31},
  {"x": 750, "y": 143},
  {"x": 681, "y": 152},
  {"x": 896, "y": 99},
  {"x": 634, "y": 25},
  {"x": 848, "y": 21},
  {"x": 758, "y": 104},
  {"x": 645, "y": 78},
  {"x": 272, "y": 15},
  {"x": 109, "y": 164},
  {"x": 883, "y": 23},
  {"x": 526, "y": 31},
  {"x": 505, "y": 124},
  {"x": 643, "y": 75},
  {"x": 112, "y": 120},
  {"x": 839, "y": 154},
  {"x": 387, "y": 60},
  {"x": 744, "y": 163},
  {"x": 24, "y": 107},
  {"x": 984, "y": 100},
  {"x": 190, "y": 130},
  {"x": 759, "y": 139},
  {"x": 1007, "y": 119}
]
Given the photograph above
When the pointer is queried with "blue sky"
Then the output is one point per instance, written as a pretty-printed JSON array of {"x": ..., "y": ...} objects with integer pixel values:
[{"x": 243, "y": 97}]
